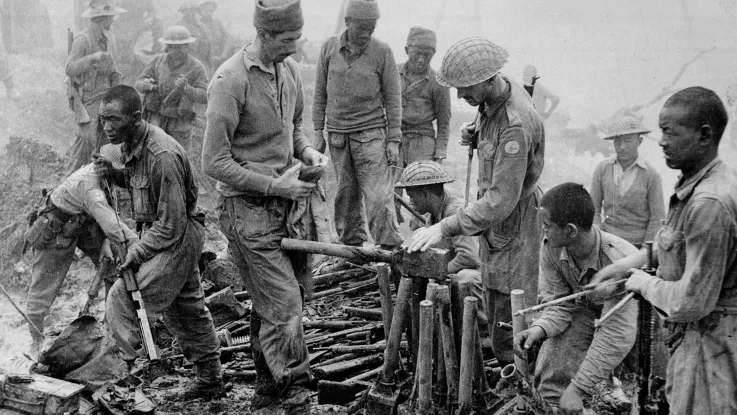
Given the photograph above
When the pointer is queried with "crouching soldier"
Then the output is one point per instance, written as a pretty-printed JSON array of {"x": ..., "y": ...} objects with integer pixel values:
[
  {"x": 172, "y": 83},
  {"x": 76, "y": 214},
  {"x": 575, "y": 357},
  {"x": 158, "y": 175}
]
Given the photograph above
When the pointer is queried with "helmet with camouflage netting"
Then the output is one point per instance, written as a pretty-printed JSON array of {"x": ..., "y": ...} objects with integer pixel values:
[
  {"x": 620, "y": 125},
  {"x": 471, "y": 61},
  {"x": 423, "y": 173}
]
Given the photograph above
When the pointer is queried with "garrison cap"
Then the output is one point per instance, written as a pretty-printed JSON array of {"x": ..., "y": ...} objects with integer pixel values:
[{"x": 471, "y": 61}]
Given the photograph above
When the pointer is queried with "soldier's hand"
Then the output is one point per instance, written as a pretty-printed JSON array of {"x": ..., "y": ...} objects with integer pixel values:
[
  {"x": 312, "y": 157},
  {"x": 106, "y": 251},
  {"x": 289, "y": 186},
  {"x": 424, "y": 238},
  {"x": 392, "y": 152},
  {"x": 99, "y": 56},
  {"x": 527, "y": 338},
  {"x": 151, "y": 84},
  {"x": 638, "y": 281},
  {"x": 181, "y": 82},
  {"x": 130, "y": 261},
  {"x": 320, "y": 143},
  {"x": 468, "y": 129},
  {"x": 103, "y": 167},
  {"x": 571, "y": 402}
]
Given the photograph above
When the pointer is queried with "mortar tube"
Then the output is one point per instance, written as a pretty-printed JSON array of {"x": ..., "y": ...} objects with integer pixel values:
[
  {"x": 518, "y": 325},
  {"x": 385, "y": 296},
  {"x": 391, "y": 353},
  {"x": 449, "y": 346},
  {"x": 468, "y": 356},
  {"x": 424, "y": 357}
]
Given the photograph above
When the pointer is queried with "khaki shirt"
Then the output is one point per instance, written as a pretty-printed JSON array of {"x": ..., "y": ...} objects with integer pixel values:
[
  {"x": 94, "y": 79},
  {"x": 160, "y": 70}
]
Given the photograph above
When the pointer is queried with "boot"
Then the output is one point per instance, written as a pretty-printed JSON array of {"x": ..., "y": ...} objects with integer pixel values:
[
  {"x": 266, "y": 394},
  {"x": 37, "y": 339},
  {"x": 208, "y": 384},
  {"x": 297, "y": 400}
]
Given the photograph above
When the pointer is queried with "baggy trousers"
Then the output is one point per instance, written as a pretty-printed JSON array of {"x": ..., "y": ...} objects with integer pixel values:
[
  {"x": 170, "y": 285},
  {"x": 365, "y": 188},
  {"x": 89, "y": 139},
  {"x": 255, "y": 227}
]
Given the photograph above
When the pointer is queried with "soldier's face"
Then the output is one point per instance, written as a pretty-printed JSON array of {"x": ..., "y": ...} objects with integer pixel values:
[
  {"x": 681, "y": 143},
  {"x": 118, "y": 126},
  {"x": 557, "y": 236},
  {"x": 177, "y": 52},
  {"x": 360, "y": 30},
  {"x": 474, "y": 95},
  {"x": 104, "y": 21},
  {"x": 281, "y": 45},
  {"x": 207, "y": 9},
  {"x": 419, "y": 199},
  {"x": 419, "y": 58},
  {"x": 626, "y": 147}
]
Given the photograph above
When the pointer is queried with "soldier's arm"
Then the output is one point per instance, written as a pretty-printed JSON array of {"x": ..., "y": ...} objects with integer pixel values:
[
  {"x": 467, "y": 254},
  {"x": 78, "y": 61},
  {"x": 197, "y": 89},
  {"x": 298, "y": 136},
  {"x": 149, "y": 72},
  {"x": 391, "y": 89},
  {"x": 96, "y": 205},
  {"x": 597, "y": 192},
  {"x": 553, "y": 285},
  {"x": 320, "y": 98},
  {"x": 441, "y": 106},
  {"x": 656, "y": 205}
]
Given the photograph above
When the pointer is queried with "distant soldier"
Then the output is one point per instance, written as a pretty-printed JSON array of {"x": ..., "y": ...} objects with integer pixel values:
[
  {"x": 627, "y": 190},
  {"x": 92, "y": 71},
  {"x": 220, "y": 41},
  {"x": 140, "y": 18},
  {"x": 424, "y": 100},
  {"x": 541, "y": 96},
  {"x": 202, "y": 47},
  {"x": 6, "y": 76},
  {"x": 171, "y": 84}
]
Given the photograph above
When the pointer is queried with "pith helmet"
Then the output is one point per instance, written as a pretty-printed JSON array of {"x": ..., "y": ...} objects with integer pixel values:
[
  {"x": 177, "y": 35},
  {"x": 423, "y": 173},
  {"x": 100, "y": 8},
  {"x": 620, "y": 125},
  {"x": 112, "y": 152},
  {"x": 471, "y": 61}
]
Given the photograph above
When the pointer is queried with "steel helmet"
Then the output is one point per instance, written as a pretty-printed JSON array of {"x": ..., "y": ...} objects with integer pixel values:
[
  {"x": 620, "y": 125},
  {"x": 177, "y": 35},
  {"x": 471, "y": 61},
  {"x": 423, "y": 173}
]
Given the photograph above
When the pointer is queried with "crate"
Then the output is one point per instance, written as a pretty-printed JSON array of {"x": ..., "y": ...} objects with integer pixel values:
[{"x": 42, "y": 396}]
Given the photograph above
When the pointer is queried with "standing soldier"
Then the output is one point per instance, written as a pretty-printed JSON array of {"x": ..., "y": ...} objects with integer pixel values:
[
  {"x": 541, "y": 96},
  {"x": 172, "y": 83},
  {"x": 141, "y": 17},
  {"x": 91, "y": 72},
  {"x": 220, "y": 41},
  {"x": 511, "y": 144},
  {"x": 202, "y": 47},
  {"x": 424, "y": 100},
  {"x": 253, "y": 139},
  {"x": 358, "y": 91},
  {"x": 160, "y": 179},
  {"x": 627, "y": 190}
]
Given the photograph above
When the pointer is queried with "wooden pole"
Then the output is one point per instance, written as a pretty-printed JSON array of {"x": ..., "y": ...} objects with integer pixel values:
[
  {"x": 391, "y": 353},
  {"x": 424, "y": 357},
  {"x": 385, "y": 296},
  {"x": 449, "y": 345},
  {"x": 468, "y": 355},
  {"x": 584, "y": 293}
]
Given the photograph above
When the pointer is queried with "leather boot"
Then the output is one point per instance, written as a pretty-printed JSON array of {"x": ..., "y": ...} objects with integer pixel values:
[{"x": 208, "y": 384}]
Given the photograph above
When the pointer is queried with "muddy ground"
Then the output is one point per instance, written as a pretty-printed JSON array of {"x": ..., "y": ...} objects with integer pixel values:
[{"x": 36, "y": 132}]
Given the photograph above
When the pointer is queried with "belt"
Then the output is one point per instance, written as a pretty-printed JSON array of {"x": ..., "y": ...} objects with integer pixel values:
[
  {"x": 56, "y": 212},
  {"x": 263, "y": 200}
]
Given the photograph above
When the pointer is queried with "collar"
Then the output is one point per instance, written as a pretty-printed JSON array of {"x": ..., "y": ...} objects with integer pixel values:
[
  {"x": 489, "y": 111},
  {"x": 344, "y": 44},
  {"x": 403, "y": 71},
  {"x": 638, "y": 162},
  {"x": 593, "y": 261},
  {"x": 134, "y": 148},
  {"x": 250, "y": 60},
  {"x": 684, "y": 189}
]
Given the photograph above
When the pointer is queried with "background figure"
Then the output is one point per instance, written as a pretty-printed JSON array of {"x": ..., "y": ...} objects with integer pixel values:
[
  {"x": 541, "y": 96},
  {"x": 357, "y": 91},
  {"x": 626, "y": 189},
  {"x": 221, "y": 43},
  {"x": 171, "y": 84},
  {"x": 128, "y": 28},
  {"x": 91, "y": 72},
  {"x": 202, "y": 47}
]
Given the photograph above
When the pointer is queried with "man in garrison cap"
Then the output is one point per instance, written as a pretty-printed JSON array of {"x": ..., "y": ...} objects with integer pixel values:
[{"x": 254, "y": 146}]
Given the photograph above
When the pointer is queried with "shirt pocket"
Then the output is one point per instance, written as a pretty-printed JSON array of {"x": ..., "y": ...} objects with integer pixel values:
[
  {"x": 671, "y": 253},
  {"x": 143, "y": 204}
]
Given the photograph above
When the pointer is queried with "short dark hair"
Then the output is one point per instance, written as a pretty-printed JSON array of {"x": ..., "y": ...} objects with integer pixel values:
[
  {"x": 704, "y": 108},
  {"x": 127, "y": 96},
  {"x": 569, "y": 203}
]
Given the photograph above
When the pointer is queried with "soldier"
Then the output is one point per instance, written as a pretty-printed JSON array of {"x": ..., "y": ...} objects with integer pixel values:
[
  {"x": 141, "y": 17},
  {"x": 91, "y": 72},
  {"x": 76, "y": 214},
  {"x": 358, "y": 91},
  {"x": 220, "y": 40},
  {"x": 575, "y": 357},
  {"x": 424, "y": 100},
  {"x": 253, "y": 141},
  {"x": 511, "y": 144},
  {"x": 202, "y": 47},
  {"x": 158, "y": 175},
  {"x": 696, "y": 282},
  {"x": 627, "y": 190},
  {"x": 6, "y": 76},
  {"x": 171, "y": 84},
  {"x": 541, "y": 96}
]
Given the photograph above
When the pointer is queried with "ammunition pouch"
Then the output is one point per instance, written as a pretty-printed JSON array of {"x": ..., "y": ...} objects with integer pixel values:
[{"x": 53, "y": 228}]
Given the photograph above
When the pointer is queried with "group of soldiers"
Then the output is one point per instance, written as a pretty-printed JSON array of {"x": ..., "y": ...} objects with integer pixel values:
[{"x": 387, "y": 129}]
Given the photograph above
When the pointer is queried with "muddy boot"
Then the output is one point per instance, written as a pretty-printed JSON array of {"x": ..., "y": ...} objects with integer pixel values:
[
  {"x": 297, "y": 401},
  {"x": 208, "y": 384}
]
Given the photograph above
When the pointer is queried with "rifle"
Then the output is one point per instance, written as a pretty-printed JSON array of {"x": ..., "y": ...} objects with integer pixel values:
[
  {"x": 648, "y": 385},
  {"x": 131, "y": 285},
  {"x": 176, "y": 93}
]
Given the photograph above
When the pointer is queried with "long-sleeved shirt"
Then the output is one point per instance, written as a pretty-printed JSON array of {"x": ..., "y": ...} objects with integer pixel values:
[
  {"x": 560, "y": 275},
  {"x": 254, "y": 124},
  {"x": 161, "y": 70},
  {"x": 81, "y": 193},
  {"x": 202, "y": 48},
  {"x": 163, "y": 190},
  {"x": 359, "y": 91},
  {"x": 697, "y": 248},
  {"x": 94, "y": 79},
  {"x": 464, "y": 250},
  {"x": 425, "y": 101},
  {"x": 635, "y": 215}
]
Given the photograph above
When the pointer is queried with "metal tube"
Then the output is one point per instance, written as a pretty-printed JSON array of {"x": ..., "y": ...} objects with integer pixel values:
[
  {"x": 449, "y": 345},
  {"x": 468, "y": 355},
  {"x": 391, "y": 353},
  {"x": 385, "y": 296},
  {"x": 424, "y": 356}
]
